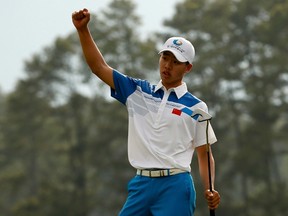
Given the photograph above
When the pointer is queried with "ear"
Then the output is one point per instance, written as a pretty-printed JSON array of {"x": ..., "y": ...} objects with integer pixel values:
[{"x": 189, "y": 67}]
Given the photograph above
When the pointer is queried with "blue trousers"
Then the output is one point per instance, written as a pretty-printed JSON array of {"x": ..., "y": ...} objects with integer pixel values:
[{"x": 161, "y": 196}]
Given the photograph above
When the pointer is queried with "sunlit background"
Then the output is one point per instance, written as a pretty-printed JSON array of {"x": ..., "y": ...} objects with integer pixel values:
[
  {"x": 63, "y": 140},
  {"x": 28, "y": 26}
]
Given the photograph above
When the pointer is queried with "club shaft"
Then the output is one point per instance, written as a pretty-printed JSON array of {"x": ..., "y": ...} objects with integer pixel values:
[
  {"x": 208, "y": 157},
  {"x": 212, "y": 211}
]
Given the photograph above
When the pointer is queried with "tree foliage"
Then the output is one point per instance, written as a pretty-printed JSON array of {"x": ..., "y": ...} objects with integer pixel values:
[
  {"x": 63, "y": 147},
  {"x": 241, "y": 72}
]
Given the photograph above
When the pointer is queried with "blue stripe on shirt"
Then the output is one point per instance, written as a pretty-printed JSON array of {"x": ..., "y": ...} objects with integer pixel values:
[{"x": 121, "y": 94}]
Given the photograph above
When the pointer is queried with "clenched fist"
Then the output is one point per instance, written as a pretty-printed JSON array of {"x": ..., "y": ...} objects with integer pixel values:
[{"x": 81, "y": 18}]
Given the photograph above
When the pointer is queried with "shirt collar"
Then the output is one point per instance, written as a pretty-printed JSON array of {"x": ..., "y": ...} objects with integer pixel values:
[{"x": 179, "y": 90}]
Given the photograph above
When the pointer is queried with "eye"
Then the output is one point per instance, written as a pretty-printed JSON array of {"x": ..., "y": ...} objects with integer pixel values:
[{"x": 164, "y": 57}]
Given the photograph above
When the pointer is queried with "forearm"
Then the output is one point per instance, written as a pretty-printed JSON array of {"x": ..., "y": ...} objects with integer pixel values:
[
  {"x": 212, "y": 196},
  {"x": 204, "y": 168},
  {"x": 94, "y": 58}
]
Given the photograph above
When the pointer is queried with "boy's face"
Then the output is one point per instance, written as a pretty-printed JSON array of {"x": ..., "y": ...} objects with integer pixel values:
[{"x": 171, "y": 70}]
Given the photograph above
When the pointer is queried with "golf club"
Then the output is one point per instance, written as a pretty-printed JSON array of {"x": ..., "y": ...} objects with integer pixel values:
[{"x": 202, "y": 116}]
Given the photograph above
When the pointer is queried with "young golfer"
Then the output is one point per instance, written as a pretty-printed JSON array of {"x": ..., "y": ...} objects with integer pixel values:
[{"x": 162, "y": 134}]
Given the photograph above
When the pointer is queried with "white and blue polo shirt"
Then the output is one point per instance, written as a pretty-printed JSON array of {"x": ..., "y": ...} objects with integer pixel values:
[{"x": 161, "y": 134}]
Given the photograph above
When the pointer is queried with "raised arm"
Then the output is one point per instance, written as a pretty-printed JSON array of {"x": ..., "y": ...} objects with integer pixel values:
[{"x": 92, "y": 54}]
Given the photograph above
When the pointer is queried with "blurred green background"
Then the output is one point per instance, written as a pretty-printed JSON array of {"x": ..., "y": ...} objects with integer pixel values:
[{"x": 63, "y": 140}]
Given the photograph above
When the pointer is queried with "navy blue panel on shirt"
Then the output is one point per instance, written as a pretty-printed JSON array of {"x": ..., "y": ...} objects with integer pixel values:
[
  {"x": 121, "y": 94},
  {"x": 187, "y": 100}
]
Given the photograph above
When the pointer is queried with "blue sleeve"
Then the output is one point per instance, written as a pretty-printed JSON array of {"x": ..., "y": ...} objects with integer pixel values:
[{"x": 124, "y": 86}]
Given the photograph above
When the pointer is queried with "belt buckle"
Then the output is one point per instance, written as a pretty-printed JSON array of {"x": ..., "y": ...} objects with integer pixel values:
[{"x": 155, "y": 173}]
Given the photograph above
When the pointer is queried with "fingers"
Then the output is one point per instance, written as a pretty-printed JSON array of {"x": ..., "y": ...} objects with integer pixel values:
[
  {"x": 213, "y": 199},
  {"x": 81, "y": 14},
  {"x": 80, "y": 19}
]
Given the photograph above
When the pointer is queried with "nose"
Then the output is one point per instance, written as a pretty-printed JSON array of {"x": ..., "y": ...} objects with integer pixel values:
[{"x": 168, "y": 64}]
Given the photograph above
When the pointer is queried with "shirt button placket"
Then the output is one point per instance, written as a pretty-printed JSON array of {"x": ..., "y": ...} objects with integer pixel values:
[{"x": 162, "y": 107}]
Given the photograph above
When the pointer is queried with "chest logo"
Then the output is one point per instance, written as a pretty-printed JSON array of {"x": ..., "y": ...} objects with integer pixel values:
[
  {"x": 183, "y": 110},
  {"x": 176, "y": 111}
]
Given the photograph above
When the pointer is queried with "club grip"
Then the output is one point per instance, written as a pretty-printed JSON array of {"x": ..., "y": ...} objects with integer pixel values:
[{"x": 212, "y": 212}]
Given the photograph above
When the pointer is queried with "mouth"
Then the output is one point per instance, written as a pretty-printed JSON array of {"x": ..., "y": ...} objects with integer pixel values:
[{"x": 165, "y": 74}]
